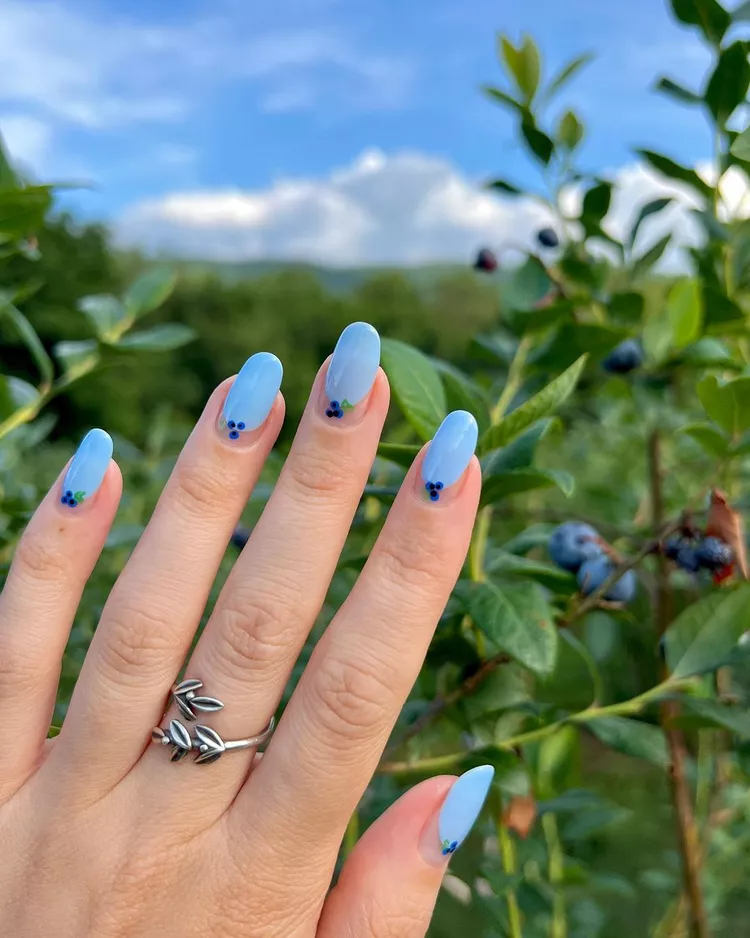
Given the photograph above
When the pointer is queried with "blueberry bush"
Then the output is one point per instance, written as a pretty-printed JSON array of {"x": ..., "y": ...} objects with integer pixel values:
[{"x": 595, "y": 649}]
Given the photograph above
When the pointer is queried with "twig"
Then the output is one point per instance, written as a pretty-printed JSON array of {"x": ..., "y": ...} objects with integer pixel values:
[{"x": 687, "y": 829}]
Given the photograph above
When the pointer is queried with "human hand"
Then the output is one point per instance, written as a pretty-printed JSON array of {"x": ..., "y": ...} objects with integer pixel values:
[{"x": 104, "y": 837}]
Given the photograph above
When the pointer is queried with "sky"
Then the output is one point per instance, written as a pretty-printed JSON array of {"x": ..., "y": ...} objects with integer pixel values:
[{"x": 336, "y": 131}]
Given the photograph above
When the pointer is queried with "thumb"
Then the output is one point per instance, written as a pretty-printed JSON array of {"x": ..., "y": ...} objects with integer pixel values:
[{"x": 390, "y": 882}]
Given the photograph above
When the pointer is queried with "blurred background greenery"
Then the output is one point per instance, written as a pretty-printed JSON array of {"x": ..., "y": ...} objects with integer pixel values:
[{"x": 581, "y": 837}]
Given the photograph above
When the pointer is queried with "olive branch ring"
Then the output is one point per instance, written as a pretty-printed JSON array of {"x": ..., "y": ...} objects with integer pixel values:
[{"x": 206, "y": 742}]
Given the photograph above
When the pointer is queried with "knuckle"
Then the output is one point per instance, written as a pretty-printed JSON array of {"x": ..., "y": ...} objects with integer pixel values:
[
  {"x": 352, "y": 698},
  {"x": 409, "y": 561},
  {"x": 21, "y": 666},
  {"x": 382, "y": 920},
  {"x": 39, "y": 559},
  {"x": 201, "y": 490},
  {"x": 257, "y": 636},
  {"x": 315, "y": 472},
  {"x": 137, "y": 642}
]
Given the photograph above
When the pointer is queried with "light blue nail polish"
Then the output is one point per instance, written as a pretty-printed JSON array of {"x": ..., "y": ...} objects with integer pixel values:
[
  {"x": 462, "y": 806},
  {"x": 449, "y": 453},
  {"x": 353, "y": 368},
  {"x": 251, "y": 397},
  {"x": 87, "y": 468}
]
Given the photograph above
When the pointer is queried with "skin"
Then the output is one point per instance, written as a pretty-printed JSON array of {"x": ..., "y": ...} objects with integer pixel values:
[{"x": 102, "y": 836}]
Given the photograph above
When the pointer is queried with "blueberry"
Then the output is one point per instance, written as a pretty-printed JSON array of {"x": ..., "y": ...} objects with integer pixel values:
[
  {"x": 714, "y": 554},
  {"x": 626, "y": 357},
  {"x": 69, "y": 493},
  {"x": 430, "y": 486},
  {"x": 241, "y": 425},
  {"x": 338, "y": 413},
  {"x": 329, "y": 412},
  {"x": 240, "y": 537},
  {"x": 486, "y": 261},
  {"x": 687, "y": 558},
  {"x": 597, "y": 570},
  {"x": 231, "y": 424},
  {"x": 434, "y": 496},
  {"x": 439, "y": 486},
  {"x": 334, "y": 405},
  {"x": 547, "y": 237},
  {"x": 64, "y": 499},
  {"x": 671, "y": 547},
  {"x": 72, "y": 502},
  {"x": 234, "y": 434},
  {"x": 572, "y": 543}
]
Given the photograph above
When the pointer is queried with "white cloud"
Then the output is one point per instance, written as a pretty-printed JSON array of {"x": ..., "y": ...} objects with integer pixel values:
[
  {"x": 27, "y": 139},
  {"x": 406, "y": 208}
]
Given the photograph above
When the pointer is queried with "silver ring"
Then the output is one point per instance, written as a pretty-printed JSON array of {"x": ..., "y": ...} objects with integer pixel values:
[{"x": 206, "y": 742}]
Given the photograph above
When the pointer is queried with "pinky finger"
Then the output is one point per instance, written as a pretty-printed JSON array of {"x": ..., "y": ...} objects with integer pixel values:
[
  {"x": 53, "y": 560},
  {"x": 389, "y": 884}
]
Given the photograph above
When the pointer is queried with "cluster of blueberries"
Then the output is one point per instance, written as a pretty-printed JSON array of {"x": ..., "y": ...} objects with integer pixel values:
[
  {"x": 578, "y": 548},
  {"x": 698, "y": 553},
  {"x": 487, "y": 259}
]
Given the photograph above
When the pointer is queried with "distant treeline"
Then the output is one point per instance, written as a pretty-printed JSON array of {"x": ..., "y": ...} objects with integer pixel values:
[{"x": 289, "y": 311}]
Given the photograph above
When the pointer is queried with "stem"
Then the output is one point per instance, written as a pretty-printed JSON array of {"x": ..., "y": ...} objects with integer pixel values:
[
  {"x": 556, "y": 873},
  {"x": 687, "y": 829},
  {"x": 510, "y": 868}
]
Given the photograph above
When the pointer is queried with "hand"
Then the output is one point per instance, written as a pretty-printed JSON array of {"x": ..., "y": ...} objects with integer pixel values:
[{"x": 102, "y": 835}]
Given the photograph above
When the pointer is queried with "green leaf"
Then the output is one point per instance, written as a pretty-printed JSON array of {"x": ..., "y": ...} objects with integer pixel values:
[
  {"x": 570, "y": 131},
  {"x": 643, "y": 264},
  {"x": 720, "y": 312},
  {"x": 668, "y": 167},
  {"x": 650, "y": 208},
  {"x": 701, "y": 637},
  {"x": 77, "y": 357},
  {"x": 8, "y": 178},
  {"x": 716, "y": 714},
  {"x": 502, "y": 185},
  {"x": 162, "y": 338},
  {"x": 502, "y": 97},
  {"x": 523, "y": 65},
  {"x": 16, "y": 394},
  {"x": 539, "y": 143},
  {"x": 149, "y": 291},
  {"x": 742, "y": 13},
  {"x": 566, "y": 73},
  {"x": 596, "y": 204},
  {"x": 708, "y": 15},
  {"x": 741, "y": 146},
  {"x": 685, "y": 310},
  {"x": 22, "y": 211},
  {"x": 526, "y": 285},
  {"x": 728, "y": 85},
  {"x": 104, "y": 312},
  {"x": 518, "y": 620},
  {"x": 627, "y": 307},
  {"x": 403, "y": 454},
  {"x": 673, "y": 90},
  {"x": 520, "y": 453},
  {"x": 728, "y": 404},
  {"x": 506, "y": 564},
  {"x": 31, "y": 340},
  {"x": 461, "y": 393},
  {"x": 540, "y": 405},
  {"x": 709, "y": 352},
  {"x": 709, "y": 438},
  {"x": 416, "y": 386},
  {"x": 631, "y": 737},
  {"x": 498, "y": 487}
]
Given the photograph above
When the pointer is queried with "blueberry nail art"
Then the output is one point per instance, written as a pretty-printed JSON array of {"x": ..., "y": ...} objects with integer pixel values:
[
  {"x": 352, "y": 369},
  {"x": 462, "y": 806},
  {"x": 251, "y": 397},
  {"x": 87, "y": 468},
  {"x": 449, "y": 452}
]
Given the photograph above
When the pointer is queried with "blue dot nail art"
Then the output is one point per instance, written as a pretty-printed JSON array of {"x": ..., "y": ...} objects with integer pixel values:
[
  {"x": 336, "y": 409},
  {"x": 87, "y": 468},
  {"x": 434, "y": 489}
]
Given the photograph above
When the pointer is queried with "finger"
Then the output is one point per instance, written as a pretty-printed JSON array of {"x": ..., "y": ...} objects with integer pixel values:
[
  {"x": 389, "y": 884},
  {"x": 52, "y": 563},
  {"x": 339, "y": 719},
  {"x": 155, "y": 607},
  {"x": 278, "y": 585}
]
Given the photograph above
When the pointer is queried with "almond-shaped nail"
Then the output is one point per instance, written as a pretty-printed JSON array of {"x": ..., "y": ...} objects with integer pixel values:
[
  {"x": 87, "y": 468},
  {"x": 462, "y": 806},
  {"x": 251, "y": 396},
  {"x": 352, "y": 369},
  {"x": 449, "y": 453}
]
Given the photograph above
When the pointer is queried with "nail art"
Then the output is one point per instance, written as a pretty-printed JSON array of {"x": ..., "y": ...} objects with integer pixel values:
[
  {"x": 462, "y": 806},
  {"x": 251, "y": 397},
  {"x": 87, "y": 468},
  {"x": 449, "y": 452},
  {"x": 352, "y": 369}
]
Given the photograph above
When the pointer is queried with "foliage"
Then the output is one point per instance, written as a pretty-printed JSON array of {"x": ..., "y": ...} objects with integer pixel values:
[{"x": 589, "y": 709}]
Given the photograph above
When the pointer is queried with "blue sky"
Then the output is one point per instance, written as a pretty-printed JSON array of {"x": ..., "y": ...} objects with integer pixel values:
[{"x": 223, "y": 117}]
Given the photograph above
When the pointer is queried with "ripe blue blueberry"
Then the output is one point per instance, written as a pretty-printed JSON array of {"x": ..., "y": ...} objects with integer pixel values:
[
  {"x": 687, "y": 558},
  {"x": 594, "y": 573},
  {"x": 671, "y": 547},
  {"x": 626, "y": 357},
  {"x": 714, "y": 554},
  {"x": 547, "y": 237},
  {"x": 572, "y": 543}
]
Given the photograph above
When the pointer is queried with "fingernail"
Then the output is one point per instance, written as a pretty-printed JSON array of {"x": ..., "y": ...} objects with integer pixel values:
[
  {"x": 352, "y": 369},
  {"x": 449, "y": 453},
  {"x": 87, "y": 468},
  {"x": 251, "y": 397},
  {"x": 462, "y": 806}
]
